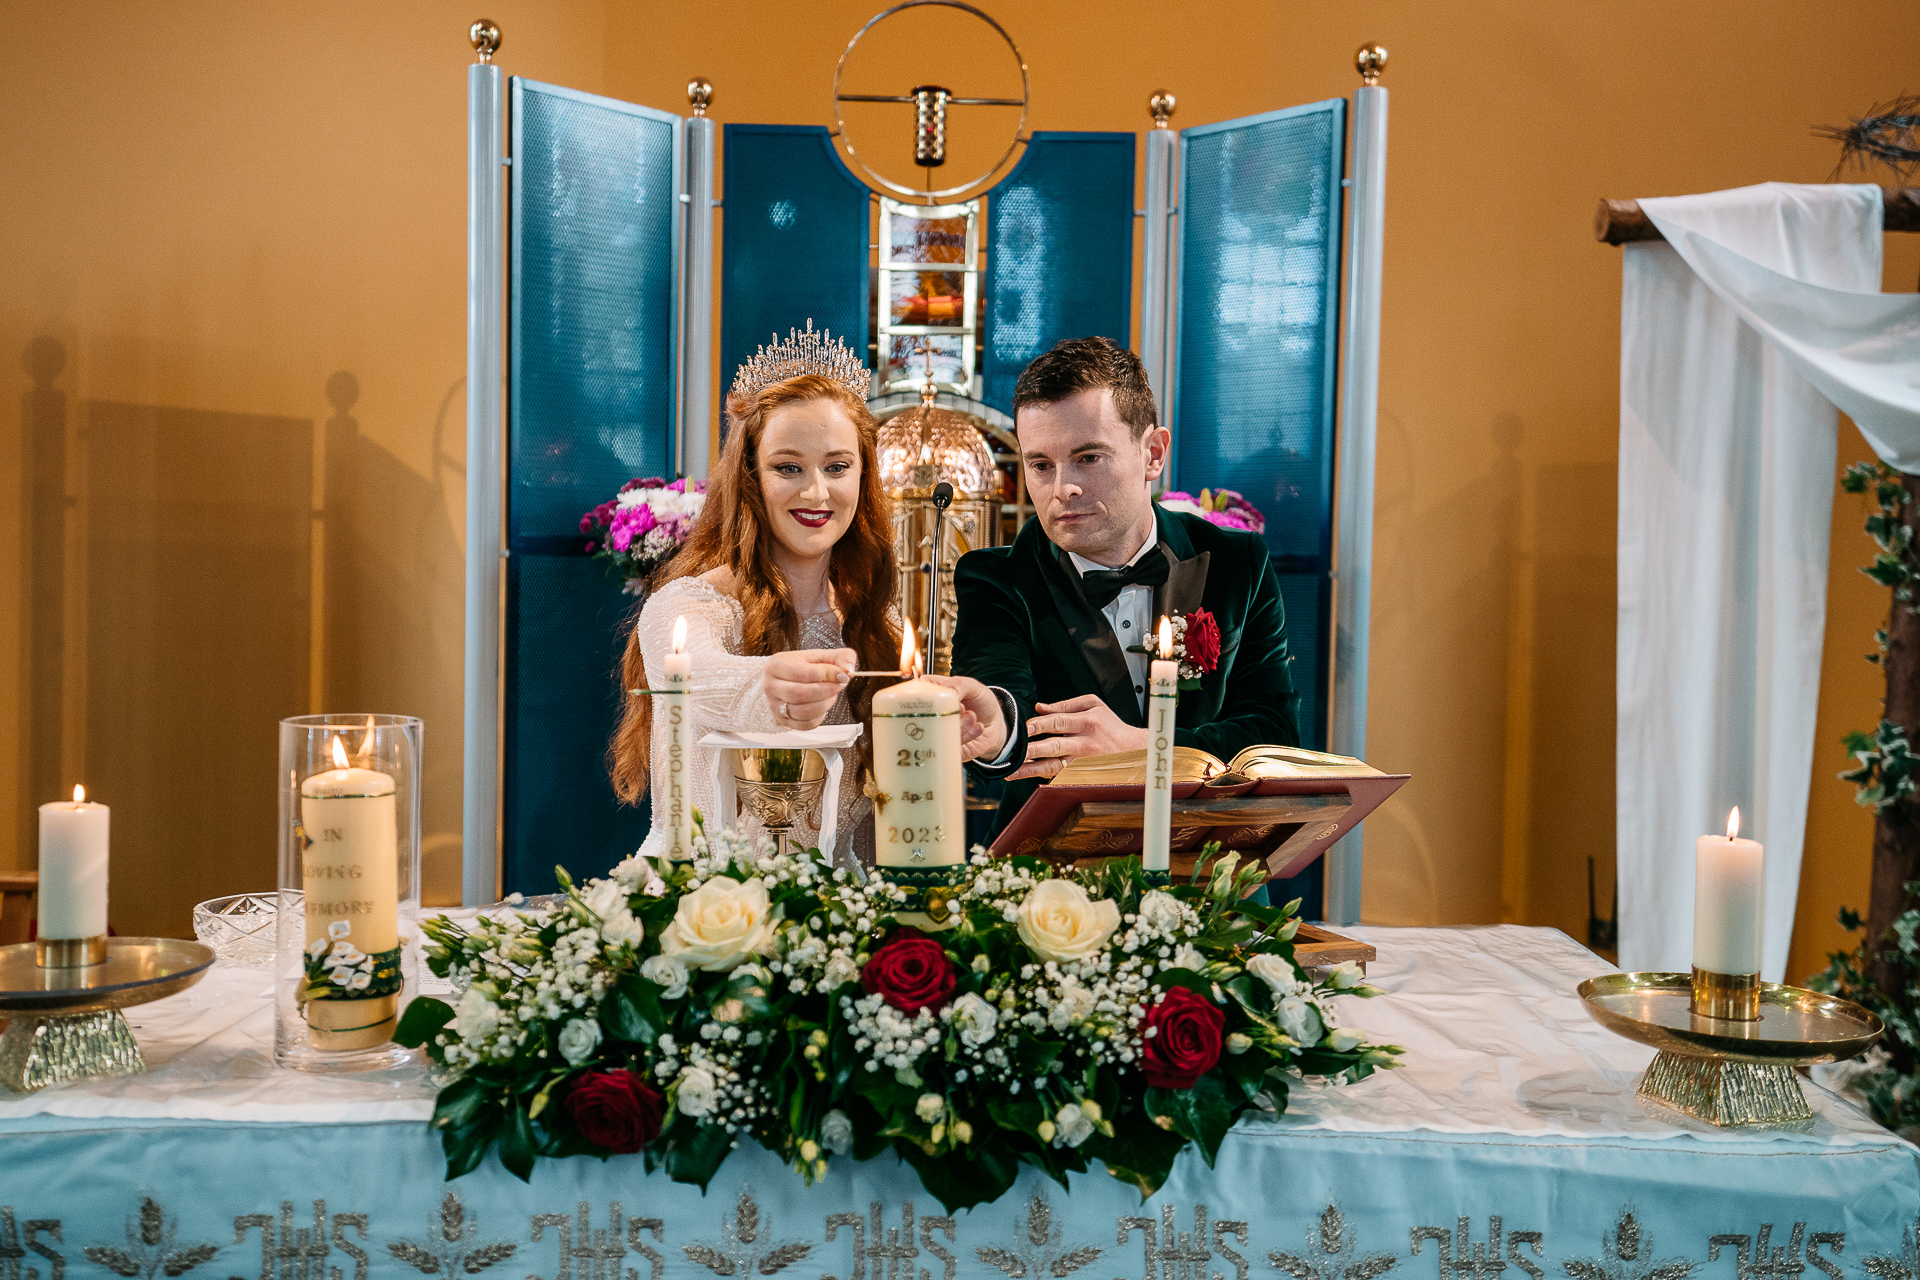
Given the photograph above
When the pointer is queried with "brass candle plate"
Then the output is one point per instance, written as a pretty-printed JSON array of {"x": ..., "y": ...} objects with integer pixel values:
[
  {"x": 1723, "y": 1071},
  {"x": 65, "y": 1024}
]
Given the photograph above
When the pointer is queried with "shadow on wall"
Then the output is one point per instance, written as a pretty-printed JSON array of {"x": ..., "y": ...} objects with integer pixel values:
[
  {"x": 393, "y": 567},
  {"x": 43, "y": 556},
  {"x": 198, "y": 610}
]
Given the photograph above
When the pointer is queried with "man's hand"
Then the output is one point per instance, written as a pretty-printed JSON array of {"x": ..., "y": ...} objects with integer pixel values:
[
  {"x": 983, "y": 730},
  {"x": 1085, "y": 726},
  {"x": 802, "y": 684}
]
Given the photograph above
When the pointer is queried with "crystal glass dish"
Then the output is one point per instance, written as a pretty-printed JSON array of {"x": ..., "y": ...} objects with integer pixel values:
[{"x": 239, "y": 928}]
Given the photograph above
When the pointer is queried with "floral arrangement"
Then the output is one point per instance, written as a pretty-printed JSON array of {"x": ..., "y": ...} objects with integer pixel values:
[
  {"x": 1057, "y": 1018},
  {"x": 642, "y": 527},
  {"x": 1196, "y": 646},
  {"x": 1224, "y": 507},
  {"x": 338, "y": 970}
]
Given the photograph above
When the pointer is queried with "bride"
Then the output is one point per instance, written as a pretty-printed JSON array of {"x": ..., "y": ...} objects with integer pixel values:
[{"x": 786, "y": 583}]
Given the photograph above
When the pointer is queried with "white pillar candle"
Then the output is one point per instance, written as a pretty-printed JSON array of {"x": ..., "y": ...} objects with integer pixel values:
[
  {"x": 916, "y": 766},
  {"x": 73, "y": 868},
  {"x": 351, "y": 880},
  {"x": 1727, "y": 889},
  {"x": 1163, "y": 696},
  {"x": 677, "y": 803}
]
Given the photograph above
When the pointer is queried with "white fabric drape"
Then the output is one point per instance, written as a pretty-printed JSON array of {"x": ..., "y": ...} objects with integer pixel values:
[{"x": 1726, "y": 491}]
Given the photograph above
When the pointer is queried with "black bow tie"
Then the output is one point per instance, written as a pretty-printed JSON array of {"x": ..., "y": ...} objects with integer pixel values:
[{"x": 1103, "y": 586}]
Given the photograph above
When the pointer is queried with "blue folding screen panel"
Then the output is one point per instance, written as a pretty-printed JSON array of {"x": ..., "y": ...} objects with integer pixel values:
[
  {"x": 794, "y": 235},
  {"x": 1258, "y": 312},
  {"x": 591, "y": 305},
  {"x": 1059, "y": 253}
]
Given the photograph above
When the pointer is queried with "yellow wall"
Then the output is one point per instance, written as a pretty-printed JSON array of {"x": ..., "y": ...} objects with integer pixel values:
[{"x": 217, "y": 211}]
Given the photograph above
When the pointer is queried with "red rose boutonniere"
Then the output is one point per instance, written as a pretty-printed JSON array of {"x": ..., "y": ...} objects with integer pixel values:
[{"x": 1196, "y": 646}]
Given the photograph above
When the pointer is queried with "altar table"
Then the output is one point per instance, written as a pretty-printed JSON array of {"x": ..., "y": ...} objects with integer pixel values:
[{"x": 1510, "y": 1141}]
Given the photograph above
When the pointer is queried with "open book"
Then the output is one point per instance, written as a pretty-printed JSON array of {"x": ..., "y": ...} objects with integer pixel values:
[{"x": 1285, "y": 804}]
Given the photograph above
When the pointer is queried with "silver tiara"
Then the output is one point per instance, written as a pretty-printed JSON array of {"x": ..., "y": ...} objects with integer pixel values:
[{"x": 804, "y": 351}]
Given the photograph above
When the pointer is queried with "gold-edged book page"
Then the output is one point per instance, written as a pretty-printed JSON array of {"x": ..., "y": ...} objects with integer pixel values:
[
  {"x": 1129, "y": 768},
  {"x": 1297, "y": 762}
]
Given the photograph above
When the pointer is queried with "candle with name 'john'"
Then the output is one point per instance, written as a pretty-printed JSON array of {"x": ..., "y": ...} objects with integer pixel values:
[
  {"x": 1163, "y": 697},
  {"x": 349, "y": 870},
  {"x": 919, "y": 809},
  {"x": 676, "y": 682}
]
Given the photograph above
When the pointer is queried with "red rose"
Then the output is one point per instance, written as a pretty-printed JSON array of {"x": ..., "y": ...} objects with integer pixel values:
[
  {"x": 1203, "y": 640},
  {"x": 1183, "y": 1040},
  {"x": 616, "y": 1110},
  {"x": 909, "y": 973}
]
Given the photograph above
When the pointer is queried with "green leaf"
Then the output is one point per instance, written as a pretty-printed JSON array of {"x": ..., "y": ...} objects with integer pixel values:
[
  {"x": 1140, "y": 1153},
  {"x": 422, "y": 1022},
  {"x": 466, "y": 1147},
  {"x": 460, "y": 1104},
  {"x": 632, "y": 1011},
  {"x": 961, "y": 1179},
  {"x": 1203, "y": 1113},
  {"x": 1021, "y": 1113},
  {"x": 697, "y": 1158},
  {"x": 519, "y": 1144}
]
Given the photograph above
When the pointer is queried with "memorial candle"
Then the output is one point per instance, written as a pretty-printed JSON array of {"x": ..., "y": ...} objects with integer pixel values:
[
  {"x": 676, "y": 683},
  {"x": 1163, "y": 693},
  {"x": 350, "y": 877},
  {"x": 916, "y": 766},
  {"x": 73, "y": 868},
  {"x": 1726, "y": 901}
]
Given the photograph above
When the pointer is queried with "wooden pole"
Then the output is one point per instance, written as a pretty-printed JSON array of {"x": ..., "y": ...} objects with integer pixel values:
[{"x": 1623, "y": 221}]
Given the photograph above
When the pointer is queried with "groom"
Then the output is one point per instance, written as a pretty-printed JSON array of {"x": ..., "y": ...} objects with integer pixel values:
[{"x": 1047, "y": 623}]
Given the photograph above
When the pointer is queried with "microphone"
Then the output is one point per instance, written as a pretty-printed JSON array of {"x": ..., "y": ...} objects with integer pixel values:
[{"x": 942, "y": 497}]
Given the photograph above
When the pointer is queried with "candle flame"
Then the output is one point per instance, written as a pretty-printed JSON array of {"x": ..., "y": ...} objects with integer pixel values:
[
  {"x": 1166, "y": 636},
  {"x": 1733, "y": 823},
  {"x": 679, "y": 633},
  {"x": 909, "y": 654},
  {"x": 339, "y": 753},
  {"x": 79, "y": 794},
  {"x": 366, "y": 743}
]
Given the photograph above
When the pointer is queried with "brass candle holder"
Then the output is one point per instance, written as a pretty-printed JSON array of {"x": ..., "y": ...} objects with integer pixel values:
[
  {"x": 1733, "y": 1070},
  {"x": 65, "y": 1022},
  {"x": 1735, "y": 996},
  {"x": 70, "y": 953},
  {"x": 781, "y": 787}
]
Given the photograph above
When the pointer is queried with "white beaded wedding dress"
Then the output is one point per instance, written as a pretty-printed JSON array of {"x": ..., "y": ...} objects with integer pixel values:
[{"x": 729, "y": 696}]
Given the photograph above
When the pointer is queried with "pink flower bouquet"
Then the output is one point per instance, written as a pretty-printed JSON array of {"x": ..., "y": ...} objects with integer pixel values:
[
  {"x": 1223, "y": 507},
  {"x": 643, "y": 526}
]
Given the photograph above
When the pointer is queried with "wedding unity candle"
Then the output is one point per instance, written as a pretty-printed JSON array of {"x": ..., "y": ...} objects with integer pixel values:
[
  {"x": 677, "y": 682},
  {"x": 350, "y": 875},
  {"x": 73, "y": 868},
  {"x": 916, "y": 767},
  {"x": 1726, "y": 901},
  {"x": 1163, "y": 693}
]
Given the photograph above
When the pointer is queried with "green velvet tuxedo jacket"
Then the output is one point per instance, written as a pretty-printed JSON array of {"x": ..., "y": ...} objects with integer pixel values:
[{"x": 1025, "y": 627}]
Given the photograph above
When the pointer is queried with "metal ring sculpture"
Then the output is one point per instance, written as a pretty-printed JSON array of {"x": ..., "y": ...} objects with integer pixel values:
[{"x": 930, "y": 103}]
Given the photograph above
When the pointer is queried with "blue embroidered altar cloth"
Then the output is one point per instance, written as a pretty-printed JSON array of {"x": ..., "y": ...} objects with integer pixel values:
[{"x": 1510, "y": 1143}]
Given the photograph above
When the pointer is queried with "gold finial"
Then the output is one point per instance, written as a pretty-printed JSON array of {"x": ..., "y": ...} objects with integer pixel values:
[
  {"x": 1370, "y": 61},
  {"x": 485, "y": 34},
  {"x": 700, "y": 94},
  {"x": 1161, "y": 106}
]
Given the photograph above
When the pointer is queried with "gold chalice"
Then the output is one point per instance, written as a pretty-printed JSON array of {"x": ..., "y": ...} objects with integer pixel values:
[{"x": 781, "y": 787}]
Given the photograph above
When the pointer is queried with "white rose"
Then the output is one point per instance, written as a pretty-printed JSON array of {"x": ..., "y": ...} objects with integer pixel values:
[
  {"x": 475, "y": 1017},
  {"x": 667, "y": 972},
  {"x": 1073, "y": 1006},
  {"x": 1238, "y": 1043},
  {"x": 930, "y": 1107},
  {"x": 608, "y": 900},
  {"x": 1058, "y": 921},
  {"x": 1346, "y": 975},
  {"x": 840, "y": 971},
  {"x": 975, "y": 1018},
  {"x": 1276, "y": 973},
  {"x": 1299, "y": 1019},
  {"x": 1345, "y": 1040},
  {"x": 720, "y": 924},
  {"x": 1072, "y": 1126},
  {"x": 695, "y": 1094},
  {"x": 1161, "y": 911},
  {"x": 836, "y": 1132},
  {"x": 1187, "y": 956},
  {"x": 578, "y": 1039}
]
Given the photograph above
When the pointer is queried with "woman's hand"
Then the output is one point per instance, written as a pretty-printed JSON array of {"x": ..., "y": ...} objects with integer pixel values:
[
  {"x": 803, "y": 684},
  {"x": 983, "y": 730}
]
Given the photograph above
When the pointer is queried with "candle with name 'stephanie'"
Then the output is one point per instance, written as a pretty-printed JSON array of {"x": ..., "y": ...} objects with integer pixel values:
[
  {"x": 676, "y": 682},
  {"x": 73, "y": 868},
  {"x": 1727, "y": 896},
  {"x": 350, "y": 875},
  {"x": 1163, "y": 694}
]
